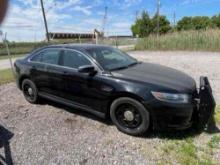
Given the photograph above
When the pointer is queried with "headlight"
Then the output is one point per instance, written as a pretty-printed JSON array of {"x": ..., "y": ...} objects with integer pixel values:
[{"x": 172, "y": 98}]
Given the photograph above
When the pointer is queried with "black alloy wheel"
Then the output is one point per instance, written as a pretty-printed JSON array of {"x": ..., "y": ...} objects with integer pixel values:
[
  {"x": 130, "y": 116},
  {"x": 30, "y": 91}
]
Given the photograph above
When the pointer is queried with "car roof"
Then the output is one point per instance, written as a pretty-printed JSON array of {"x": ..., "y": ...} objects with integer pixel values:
[{"x": 81, "y": 47}]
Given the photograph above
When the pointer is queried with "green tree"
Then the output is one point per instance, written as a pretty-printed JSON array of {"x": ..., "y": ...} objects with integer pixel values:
[
  {"x": 185, "y": 24},
  {"x": 216, "y": 21},
  {"x": 194, "y": 23},
  {"x": 145, "y": 25},
  {"x": 164, "y": 24},
  {"x": 136, "y": 28},
  {"x": 142, "y": 26},
  {"x": 201, "y": 22}
]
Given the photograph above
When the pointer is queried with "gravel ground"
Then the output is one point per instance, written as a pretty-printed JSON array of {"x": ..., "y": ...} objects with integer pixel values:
[{"x": 51, "y": 134}]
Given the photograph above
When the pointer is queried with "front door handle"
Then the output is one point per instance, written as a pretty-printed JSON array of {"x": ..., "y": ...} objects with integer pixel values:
[
  {"x": 33, "y": 67},
  {"x": 66, "y": 73}
]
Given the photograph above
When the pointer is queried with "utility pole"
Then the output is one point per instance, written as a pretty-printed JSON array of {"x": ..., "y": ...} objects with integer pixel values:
[
  {"x": 45, "y": 21},
  {"x": 4, "y": 40},
  {"x": 104, "y": 20},
  {"x": 158, "y": 18},
  {"x": 136, "y": 15},
  {"x": 174, "y": 19}
]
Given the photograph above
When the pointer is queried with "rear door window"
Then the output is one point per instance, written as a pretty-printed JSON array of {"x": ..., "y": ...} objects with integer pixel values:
[{"x": 50, "y": 56}]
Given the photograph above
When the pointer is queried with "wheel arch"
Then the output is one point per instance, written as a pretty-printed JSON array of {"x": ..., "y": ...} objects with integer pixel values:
[{"x": 21, "y": 79}]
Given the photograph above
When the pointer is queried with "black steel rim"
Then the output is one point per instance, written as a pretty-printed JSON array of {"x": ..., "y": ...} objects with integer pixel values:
[
  {"x": 28, "y": 95},
  {"x": 135, "y": 123}
]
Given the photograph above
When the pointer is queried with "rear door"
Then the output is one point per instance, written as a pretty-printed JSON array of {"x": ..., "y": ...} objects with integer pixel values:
[{"x": 46, "y": 71}]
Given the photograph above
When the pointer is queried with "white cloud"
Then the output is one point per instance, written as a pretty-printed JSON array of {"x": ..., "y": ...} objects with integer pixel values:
[
  {"x": 124, "y": 4},
  {"x": 123, "y": 25},
  {"x": 25, "y": 22},
  {"x": 84, "y": 9}
]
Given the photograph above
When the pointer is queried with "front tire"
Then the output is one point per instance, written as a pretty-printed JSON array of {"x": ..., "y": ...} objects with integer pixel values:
[
  {"x": 130, "y": 116},
  {"x": 30, "y": 91}
]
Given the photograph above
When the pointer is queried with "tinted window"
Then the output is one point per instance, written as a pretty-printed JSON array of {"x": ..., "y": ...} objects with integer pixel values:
[
  {"x": 74, "y": 60},
  {"x": 110, "y": 58},
  {"x": 48, "y": 56}
]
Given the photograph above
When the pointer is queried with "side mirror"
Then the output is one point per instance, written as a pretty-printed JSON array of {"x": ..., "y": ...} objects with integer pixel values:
[{"x": 87, "y": 69}]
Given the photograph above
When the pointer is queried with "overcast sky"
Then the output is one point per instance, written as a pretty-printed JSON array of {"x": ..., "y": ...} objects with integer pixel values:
[{"x": 24, "y": 21}]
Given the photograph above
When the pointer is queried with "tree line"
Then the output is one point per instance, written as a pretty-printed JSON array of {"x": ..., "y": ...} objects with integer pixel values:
[{"x": 145, "y": 25}]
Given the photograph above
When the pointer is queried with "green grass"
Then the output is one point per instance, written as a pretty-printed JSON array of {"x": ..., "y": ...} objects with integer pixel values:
[
  {"x": 185, "y": 152},
  {"x": 214, "y": 142},
  {"x": 208, "y": 40},
  {"x": 13, "y": 56},
  {"x": 217, "y": 114},
  {"x": 6, "y": 76},
  {"x": 20, "y": 48}
]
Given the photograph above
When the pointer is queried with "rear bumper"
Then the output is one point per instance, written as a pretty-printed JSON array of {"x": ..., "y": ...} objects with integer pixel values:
[{"x": 182, "y": 116}]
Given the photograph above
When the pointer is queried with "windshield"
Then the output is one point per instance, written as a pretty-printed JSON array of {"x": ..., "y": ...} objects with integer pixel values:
[{"x": 110, "y": 58}]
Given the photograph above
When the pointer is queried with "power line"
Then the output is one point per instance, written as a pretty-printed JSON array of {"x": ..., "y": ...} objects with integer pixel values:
[{"x": 45, "y": 21}]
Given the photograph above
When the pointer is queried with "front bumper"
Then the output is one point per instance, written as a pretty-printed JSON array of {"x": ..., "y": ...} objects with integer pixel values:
[
  {"x": 182, "y": 116},
  {"x": 205, "y": 105}
]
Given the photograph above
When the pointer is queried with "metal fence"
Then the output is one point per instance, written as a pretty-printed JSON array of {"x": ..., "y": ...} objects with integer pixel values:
[{"x": 17, "y": 48}]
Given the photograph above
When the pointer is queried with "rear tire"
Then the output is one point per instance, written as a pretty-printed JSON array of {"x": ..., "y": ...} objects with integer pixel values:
[
  {"x": 30, "y": 91},
  {"x": 130, "y": 116}
]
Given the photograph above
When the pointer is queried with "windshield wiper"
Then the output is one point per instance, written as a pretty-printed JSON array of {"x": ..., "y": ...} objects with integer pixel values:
[
  {"x": 119, "y": 68},
  {"x": 132, "y": 64},
  {"x": 126, "y": 66}
]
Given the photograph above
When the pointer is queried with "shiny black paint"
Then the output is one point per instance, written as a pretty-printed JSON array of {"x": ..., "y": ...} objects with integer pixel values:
[{"x": 97, "y": 92}]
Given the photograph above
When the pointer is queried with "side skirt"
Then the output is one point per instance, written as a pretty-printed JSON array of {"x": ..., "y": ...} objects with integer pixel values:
[{"x": 70, "y": 103}]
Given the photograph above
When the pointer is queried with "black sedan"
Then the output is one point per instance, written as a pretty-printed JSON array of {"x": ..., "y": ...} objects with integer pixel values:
[{"x": 109, "y": 83}]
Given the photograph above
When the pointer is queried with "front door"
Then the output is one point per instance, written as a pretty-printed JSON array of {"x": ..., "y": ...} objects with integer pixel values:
[{"x": 80, "y": 88}]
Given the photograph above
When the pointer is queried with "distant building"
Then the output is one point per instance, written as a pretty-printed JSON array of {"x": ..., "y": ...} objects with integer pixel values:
[{"x": 75, "y": 35}]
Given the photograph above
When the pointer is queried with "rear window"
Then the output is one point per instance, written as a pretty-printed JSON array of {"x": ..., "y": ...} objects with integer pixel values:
[{"x": 48, "y": 56}]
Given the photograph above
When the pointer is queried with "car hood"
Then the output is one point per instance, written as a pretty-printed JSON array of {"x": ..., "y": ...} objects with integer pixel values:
[{"x": 159, "y": 76}]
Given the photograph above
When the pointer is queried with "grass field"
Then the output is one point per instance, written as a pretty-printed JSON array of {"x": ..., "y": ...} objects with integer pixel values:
[
  {"x": 217, "y": 114},
  {"x": 13, "y": 56},
  {"x": 6, "y": 76},
  {"x": 208, "y": 40},
  {"x": 189, "y": 152},
  {"x": 20, "y": 48}
]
